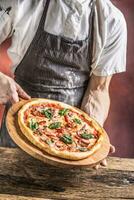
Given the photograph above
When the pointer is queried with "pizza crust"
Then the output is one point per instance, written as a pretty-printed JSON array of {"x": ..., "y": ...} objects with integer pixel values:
[{"x": 51, "y": 150}]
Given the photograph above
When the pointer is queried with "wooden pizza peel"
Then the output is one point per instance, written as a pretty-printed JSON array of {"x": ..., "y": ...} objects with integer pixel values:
[{"x": 19, "y": 138}]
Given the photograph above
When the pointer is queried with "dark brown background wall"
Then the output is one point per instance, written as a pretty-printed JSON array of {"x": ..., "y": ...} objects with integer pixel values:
[{"x": 120, "y": 122}]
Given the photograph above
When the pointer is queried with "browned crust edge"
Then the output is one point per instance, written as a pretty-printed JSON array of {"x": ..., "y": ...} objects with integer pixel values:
[{"x": 50, "y": 150}]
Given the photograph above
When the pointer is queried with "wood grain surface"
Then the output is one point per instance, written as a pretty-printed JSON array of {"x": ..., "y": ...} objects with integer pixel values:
[
  {"x": 27, "y": 146},
  {"x": 23, "y": 177}
]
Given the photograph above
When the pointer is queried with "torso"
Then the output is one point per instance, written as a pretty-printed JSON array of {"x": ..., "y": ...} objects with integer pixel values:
[
  {"x": 56, "y": 67},
  {"x": 25, "y": 23}
]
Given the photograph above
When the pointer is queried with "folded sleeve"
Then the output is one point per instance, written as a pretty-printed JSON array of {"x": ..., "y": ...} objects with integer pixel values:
[
  {"x": 113, "y": 56},
  {"x": 5, "y": 24}
]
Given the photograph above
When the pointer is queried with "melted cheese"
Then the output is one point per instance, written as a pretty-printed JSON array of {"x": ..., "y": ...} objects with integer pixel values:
[{"x": 73, "y": 131}]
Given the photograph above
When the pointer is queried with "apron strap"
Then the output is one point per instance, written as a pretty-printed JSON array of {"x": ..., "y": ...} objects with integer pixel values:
[
  {"x": 44, "y": 15},
  {"x": 91, "y": 17},
  {"x": 91, "y": 30},
  {"x": 41, "y": 23}
]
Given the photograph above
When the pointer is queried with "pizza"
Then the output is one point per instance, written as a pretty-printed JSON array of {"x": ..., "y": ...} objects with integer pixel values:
[{"x": 59, "y": 129}]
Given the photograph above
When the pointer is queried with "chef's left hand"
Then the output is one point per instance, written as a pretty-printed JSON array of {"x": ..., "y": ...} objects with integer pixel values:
[
  {"x": 103, "y": 163},
  {"x": 96, "y": 103}
]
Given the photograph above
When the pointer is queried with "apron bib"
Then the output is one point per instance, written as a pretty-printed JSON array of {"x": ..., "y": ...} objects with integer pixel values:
[{"x": 54, "y": 67}]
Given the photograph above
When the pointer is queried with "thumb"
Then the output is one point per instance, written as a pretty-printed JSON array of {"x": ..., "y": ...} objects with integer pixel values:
[{"x": 22, "y": 93}]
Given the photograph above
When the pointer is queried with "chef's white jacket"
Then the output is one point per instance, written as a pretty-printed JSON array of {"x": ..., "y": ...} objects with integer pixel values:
[{"x": 19, "y": 19}]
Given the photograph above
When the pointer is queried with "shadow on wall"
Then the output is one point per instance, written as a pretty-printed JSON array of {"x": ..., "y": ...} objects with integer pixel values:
[{"x": 120, "y": 123}]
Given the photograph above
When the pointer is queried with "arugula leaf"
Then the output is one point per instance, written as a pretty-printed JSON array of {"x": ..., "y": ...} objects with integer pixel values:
[
  {"x": 87, "y": 135},
  {"x": 49, "y": 142},
  {"x": 76, "y": 120},
  {"x": 55, "y": 125},
  {"x": 67, "y": 139},
  {"x": 83, "y": 149},
  {"x": 63, "y": 112},
  {"x": 47, "y": 113},
  {"x": 33, "y": 125}
]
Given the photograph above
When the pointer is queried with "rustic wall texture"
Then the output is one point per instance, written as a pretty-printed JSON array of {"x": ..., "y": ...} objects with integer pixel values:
[{"x": 120, "y": 122}]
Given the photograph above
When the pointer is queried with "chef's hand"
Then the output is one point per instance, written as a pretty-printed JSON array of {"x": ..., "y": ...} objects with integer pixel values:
[
  {"x": 10, "y": 90},
  {"x": 96, "y": 103},
  {"x": 103, "y": 163}
]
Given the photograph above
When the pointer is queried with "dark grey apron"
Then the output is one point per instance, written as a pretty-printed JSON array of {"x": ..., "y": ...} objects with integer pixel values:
[{"x": 54, "y": 67}]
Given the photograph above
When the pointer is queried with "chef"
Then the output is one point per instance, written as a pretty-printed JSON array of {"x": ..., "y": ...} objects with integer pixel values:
[{"x": 66, "y": 50}]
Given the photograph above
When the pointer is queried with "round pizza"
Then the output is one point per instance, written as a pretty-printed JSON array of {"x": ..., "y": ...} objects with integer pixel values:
[{"x": 60, "y": 129}]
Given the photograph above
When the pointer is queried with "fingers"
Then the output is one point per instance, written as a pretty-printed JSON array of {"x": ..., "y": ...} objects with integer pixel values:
[
  {"x": 96, "y": 167},
  {"x": 22, "y": 93},
  {"x": 14, "y": 98},
  {"x": 112, "y": 149},
  {"x": 103, "y": 163},
  {"x": 16, "y": 91},
  {"x": 10, "y": 90}
]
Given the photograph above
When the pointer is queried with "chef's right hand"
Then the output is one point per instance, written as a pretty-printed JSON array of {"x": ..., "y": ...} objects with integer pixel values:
[{"x": 10, "y": 90}]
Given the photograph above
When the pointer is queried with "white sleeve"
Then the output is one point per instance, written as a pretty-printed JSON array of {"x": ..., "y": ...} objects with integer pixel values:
[
  {"x": 5, "y": 24},
  {"x": 113, "y": 56}
]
